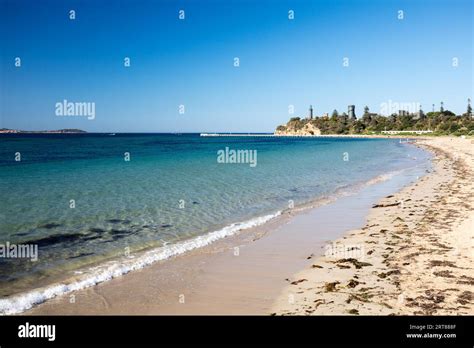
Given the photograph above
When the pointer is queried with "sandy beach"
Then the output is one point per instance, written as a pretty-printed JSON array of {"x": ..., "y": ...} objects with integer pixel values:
[{"x": 414, "y": 256}]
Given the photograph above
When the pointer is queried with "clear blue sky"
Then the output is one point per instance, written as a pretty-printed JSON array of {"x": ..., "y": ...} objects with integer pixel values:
[{"x": 190, "y": 62}]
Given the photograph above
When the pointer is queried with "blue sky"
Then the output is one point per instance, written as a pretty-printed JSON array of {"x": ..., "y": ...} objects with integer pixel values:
[{"x": 190, "y": 62}]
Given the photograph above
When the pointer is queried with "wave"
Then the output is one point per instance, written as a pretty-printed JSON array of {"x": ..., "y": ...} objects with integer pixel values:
[
  {"x": 113, "y": 269},
  {"x": 22, "y": 302}
]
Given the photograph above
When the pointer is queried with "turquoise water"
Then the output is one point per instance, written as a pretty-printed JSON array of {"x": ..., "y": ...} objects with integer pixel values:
[{"x": 172, "y": 189}]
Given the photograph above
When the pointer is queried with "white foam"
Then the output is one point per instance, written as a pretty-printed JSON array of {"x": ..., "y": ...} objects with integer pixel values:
[
  {"x": 110, "y": 270},
  {"x": 114, "y": 269}
]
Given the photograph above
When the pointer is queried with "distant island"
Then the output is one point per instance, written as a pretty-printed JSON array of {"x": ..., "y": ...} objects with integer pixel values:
[
  {"x": 58, "y": 131},
  {"x": 442, "y": 122}
]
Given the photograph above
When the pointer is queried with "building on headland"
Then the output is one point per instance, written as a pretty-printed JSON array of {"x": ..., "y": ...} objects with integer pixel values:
[
  {"x": 351, "y": 111},
  {"x": 402, "y": 113},
  {"x": 418, "y": 115}
]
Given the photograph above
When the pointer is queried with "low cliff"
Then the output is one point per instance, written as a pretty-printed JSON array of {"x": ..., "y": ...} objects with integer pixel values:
[{"x": 299, "y": 127}]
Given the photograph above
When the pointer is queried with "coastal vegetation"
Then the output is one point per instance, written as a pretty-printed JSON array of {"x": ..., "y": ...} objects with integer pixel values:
[{"x": 443, "y": 122}]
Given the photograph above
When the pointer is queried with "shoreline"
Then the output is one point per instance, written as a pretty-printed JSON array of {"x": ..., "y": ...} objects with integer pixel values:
[
  {"x": 213, "y": 259},
  {"x": 106, "y": 271},
  {"x": 416, "y": 257},
  {"x": 104, "y": 297}
]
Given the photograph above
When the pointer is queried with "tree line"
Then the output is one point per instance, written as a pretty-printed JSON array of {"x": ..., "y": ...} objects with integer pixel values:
[{"x": 442, "y": 122}]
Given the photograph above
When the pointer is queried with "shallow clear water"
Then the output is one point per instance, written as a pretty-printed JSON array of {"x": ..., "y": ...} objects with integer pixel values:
[{"x": 172, "y": 189}]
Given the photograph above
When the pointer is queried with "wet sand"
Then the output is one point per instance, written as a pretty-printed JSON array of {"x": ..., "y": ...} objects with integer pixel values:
[
  {"x": 416, "y": 252},
  {"x": 259, "y": 271},
  {"x": 238, "y": 275}
]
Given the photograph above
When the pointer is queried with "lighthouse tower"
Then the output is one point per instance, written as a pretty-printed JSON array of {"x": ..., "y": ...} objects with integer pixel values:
[{"x": 311, "y": 112}]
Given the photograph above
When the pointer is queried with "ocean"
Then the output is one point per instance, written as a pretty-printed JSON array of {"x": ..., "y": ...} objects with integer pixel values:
[{"x": 97, "y": 206}]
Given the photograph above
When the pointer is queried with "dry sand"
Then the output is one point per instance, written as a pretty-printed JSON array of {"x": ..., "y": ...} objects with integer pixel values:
[{"x": 415, "y": 255}]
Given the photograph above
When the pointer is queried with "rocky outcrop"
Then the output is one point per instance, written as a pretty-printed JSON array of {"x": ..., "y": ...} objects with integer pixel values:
[{"x": 298, "y": 127}]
